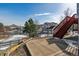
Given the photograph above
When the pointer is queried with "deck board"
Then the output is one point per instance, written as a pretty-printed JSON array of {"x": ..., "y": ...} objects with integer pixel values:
[{"x": 40, "y": 47}]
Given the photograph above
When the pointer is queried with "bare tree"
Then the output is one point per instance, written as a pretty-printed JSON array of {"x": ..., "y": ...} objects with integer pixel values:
[{"x": 67, "y": 12}]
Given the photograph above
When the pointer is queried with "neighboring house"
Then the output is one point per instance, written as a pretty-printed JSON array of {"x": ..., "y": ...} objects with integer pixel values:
[
  {"x": 46, "y": 29},
  {"x": 2, "y": 31},
  {"x": 14, "y": 29}
]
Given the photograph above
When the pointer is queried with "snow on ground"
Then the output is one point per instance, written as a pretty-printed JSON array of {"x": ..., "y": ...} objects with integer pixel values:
[
  {"x": 4, "y": 48},
  {"x": 13, "y": 38}
]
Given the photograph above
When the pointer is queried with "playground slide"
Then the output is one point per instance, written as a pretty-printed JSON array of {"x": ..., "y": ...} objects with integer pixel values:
[{"x": 60, "y": 30}]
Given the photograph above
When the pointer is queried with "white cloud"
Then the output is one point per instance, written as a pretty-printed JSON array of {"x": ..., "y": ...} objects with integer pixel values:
[
  {"x": 71, "y": 6},
  {"x": 51, "y": 17},
  {"x": 57, "y": 16},
  {"x": 43, "y": 14}
]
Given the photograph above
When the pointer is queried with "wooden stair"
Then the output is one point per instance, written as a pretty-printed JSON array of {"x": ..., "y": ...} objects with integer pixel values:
[{"x": 72, "y": 50}]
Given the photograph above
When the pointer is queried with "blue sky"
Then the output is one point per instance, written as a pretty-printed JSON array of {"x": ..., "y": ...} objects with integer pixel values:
[{"x": 18, "y": 13}]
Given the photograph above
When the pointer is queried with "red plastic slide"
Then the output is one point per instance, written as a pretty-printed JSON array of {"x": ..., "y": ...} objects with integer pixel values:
[{"x": 60, "y": 30}]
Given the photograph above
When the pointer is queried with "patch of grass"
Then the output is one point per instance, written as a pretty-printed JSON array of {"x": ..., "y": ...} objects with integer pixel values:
[
  {"x": 5, "y": 52},
  {"x": 20, "y": 51},
  {"x": 2, "y": 53}
]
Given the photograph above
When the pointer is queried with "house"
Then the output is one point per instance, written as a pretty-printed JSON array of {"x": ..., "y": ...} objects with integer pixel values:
[
  {"x": 14, "y": 29},
  {"x": 46, "y": 29}
]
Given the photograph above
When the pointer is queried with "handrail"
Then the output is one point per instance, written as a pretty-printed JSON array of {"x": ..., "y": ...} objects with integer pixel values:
[
  {"x": 61, "y": 24},
  {"x": 68, "y": 21}
]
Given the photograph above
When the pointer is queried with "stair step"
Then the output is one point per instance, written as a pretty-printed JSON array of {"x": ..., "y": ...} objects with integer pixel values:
[
  {"x": 69, "y": 49},
  {"x": 72, "y": 50},
  {"x": 75, "y": 52}
]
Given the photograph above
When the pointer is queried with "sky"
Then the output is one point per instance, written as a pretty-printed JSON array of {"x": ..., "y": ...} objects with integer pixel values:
[{"x": 18, "y": 13}]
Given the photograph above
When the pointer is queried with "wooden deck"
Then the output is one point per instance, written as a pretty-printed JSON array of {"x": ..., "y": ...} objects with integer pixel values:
[{"x": 41, "y": 47}]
